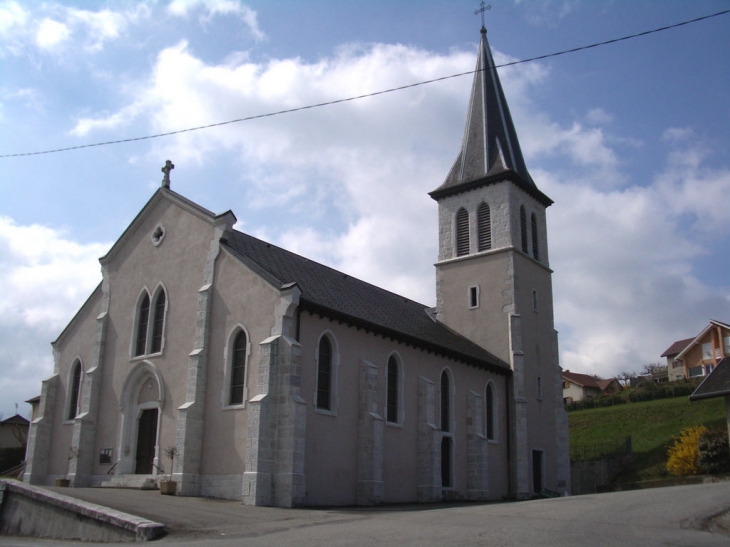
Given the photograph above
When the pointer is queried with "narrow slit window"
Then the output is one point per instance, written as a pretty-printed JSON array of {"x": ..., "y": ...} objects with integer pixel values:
[{"x": 473, "y": 297}]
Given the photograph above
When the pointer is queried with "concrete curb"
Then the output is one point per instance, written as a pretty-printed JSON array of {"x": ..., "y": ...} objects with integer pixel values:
[{"x": 131, "y": 526}]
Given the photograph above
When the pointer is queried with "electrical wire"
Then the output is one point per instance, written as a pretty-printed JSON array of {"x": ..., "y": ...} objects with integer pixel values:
[{"x": 373, "y": 94}]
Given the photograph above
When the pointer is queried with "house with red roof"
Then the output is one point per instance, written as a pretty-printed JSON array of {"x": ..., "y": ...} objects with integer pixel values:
[{"x": 577, "y": 387}]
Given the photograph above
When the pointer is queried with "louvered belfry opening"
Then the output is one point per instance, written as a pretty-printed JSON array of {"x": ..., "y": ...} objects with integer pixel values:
[
  {"x": 462, "y": 232},
  {"x": 484, "y": 226},
  {"x": 535, "y": 246},
  {"x": 523, "y": 228}
]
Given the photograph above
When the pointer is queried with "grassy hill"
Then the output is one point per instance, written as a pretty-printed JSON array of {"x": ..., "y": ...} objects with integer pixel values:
[{"x": 652, "y": 426}]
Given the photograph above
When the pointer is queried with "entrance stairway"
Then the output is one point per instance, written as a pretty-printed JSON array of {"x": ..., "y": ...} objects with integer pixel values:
[{"x": 137, "y": 482}]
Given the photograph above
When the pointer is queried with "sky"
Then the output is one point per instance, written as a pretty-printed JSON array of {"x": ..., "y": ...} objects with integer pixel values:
[{"x": 630, "y": 140}]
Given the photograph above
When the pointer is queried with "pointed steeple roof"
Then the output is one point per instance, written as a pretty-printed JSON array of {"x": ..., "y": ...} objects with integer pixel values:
[{"x": 490, "y": 151}]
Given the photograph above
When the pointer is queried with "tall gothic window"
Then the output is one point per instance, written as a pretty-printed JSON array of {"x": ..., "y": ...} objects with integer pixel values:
[
  {"x": 523, "y": 228},
  {"x": 462, "y": 232},
  {"x": 392, "y": 402},
  {"x": 74, "y": 390},
  {"x": 490, "y": 411},
  {"x": 445, "y": 402},
  {"x": 158, "y": 322},
  {"x": 238, "y": 368},
  {"x": 143, "y": 319},
  {"x": 535, "y": 245},
  {"x": 484, "y": 225},
  {"x": 324, "y": 374}
]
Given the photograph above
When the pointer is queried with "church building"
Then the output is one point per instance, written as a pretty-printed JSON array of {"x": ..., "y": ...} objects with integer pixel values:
[{"x": 283, "y": 382}]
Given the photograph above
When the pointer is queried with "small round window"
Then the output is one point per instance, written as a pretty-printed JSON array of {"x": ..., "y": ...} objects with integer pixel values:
[{"x": 158, "y": 234}]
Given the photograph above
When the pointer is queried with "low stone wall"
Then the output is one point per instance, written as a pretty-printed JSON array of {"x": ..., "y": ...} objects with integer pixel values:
[
  {"x": 587, "y": 477},
  {"x": 31, "y": 511}
]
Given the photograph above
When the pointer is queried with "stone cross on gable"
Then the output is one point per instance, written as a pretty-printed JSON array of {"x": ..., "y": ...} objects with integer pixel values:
[
  {"x": 169, "y": 166},
  {"x": 482, "y": 9}
]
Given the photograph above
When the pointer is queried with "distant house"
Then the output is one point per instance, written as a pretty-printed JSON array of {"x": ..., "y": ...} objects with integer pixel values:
[
  {"x": 577, "y": 387},
  {"x": 701, "y": 354},
  {"x": 675, "y": 371},
  {"x": 14, "y": 432}
]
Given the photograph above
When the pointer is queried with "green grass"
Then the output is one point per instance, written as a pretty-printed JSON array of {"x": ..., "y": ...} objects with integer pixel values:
[{"x": 652, "y": 426}]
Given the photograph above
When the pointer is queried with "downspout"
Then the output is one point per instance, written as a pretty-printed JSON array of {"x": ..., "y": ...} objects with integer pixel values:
[{"x": 509, "y": 433}]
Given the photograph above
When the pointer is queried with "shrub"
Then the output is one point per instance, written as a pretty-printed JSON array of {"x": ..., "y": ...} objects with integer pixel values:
[
  {"x": 714, "y": 451},
  {"x": 683, "y": 455}
]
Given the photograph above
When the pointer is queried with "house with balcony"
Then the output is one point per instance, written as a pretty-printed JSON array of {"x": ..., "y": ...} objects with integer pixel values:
[{"x": 701, "y": 354}]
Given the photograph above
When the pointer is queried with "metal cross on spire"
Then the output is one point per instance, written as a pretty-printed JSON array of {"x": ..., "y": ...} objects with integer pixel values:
[
  {"x": 481, "y": 10},
  {"x": 169, "y": 166}
]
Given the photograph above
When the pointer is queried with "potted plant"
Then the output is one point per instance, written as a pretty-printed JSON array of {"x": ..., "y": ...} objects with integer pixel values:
[
  {"x": 169, "y": 487},
  {"x": 65, "y": 482}
]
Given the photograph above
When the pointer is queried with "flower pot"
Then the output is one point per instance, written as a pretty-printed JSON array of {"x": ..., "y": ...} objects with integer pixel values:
[
  {"x": 168, "y": 488},
  {"x": 63, "y": 483}
]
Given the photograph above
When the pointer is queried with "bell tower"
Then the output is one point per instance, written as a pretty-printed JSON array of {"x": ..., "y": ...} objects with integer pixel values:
[{"x": 493, "y": 279}]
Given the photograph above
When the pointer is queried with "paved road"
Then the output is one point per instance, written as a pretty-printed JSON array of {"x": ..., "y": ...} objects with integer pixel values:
[{"x": 674, "y": 516}]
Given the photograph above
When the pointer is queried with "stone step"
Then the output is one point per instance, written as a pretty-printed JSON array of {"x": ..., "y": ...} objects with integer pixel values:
[{"x": 137, "y": 482}]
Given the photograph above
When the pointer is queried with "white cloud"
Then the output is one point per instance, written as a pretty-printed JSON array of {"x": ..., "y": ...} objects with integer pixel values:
[
  {"x": 212, "y": 8},
  {"x": 677, "y": 134},
  {"x": 51, "y": 34},
  {"x": 54, "y": 28},
  {"x": 45, "y": 276}
]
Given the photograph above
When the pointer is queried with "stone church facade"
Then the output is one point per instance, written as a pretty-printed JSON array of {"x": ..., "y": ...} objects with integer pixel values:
[{"x": 284, "y": 382}]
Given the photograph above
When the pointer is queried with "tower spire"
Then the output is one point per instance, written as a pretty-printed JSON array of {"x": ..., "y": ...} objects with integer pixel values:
[{"x": 490, "y": 149}]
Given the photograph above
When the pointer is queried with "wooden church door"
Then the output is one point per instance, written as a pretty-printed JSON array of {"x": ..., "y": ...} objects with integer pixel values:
[{"x": 146, "y": 440}]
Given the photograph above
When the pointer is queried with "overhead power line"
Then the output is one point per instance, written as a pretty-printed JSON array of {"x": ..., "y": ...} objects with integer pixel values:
[{"x": 373, "y": 94}]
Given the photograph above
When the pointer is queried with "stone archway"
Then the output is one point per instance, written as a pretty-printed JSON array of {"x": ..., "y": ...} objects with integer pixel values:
[{"x": 141, "y": 403}]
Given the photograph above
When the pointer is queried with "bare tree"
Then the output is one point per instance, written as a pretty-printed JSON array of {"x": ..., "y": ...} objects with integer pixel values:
[
  {"x": 653, "y": 368},
  {"x": 625, "y": 377}
]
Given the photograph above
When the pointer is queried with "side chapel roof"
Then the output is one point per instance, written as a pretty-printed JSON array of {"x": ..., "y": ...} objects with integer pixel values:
[
  {"x": 340, "y": 296},
  {"x": 490, "y": 151},
  {"x": 716, "y": 384}
]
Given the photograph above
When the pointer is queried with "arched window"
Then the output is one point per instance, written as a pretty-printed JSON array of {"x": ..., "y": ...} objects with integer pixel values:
[
  {"x": 489, "y": 422},
  {"x": 393, "y": 391},
  {"x": 158, "y": 324},
  {"x": 535, "y": 245},
  {"x": 484, "y": 226},
  {"x": 523, "y": 228},
  {"x": 238, "y": 368},
  {"x": 74, "y": 390},
  {"x": 143, "y": 320},
  {"x": 462, "y": 232},
  {"x": 324, "y": 374},
  {"x": 445, "y": 402}
]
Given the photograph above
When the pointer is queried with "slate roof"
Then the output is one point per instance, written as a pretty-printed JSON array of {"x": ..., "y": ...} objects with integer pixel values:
[
  {"x": 334, "y": 294},
  {"x": 17, "y": 419},
  {"x": 717, "y": 383},
  {"x": 490, "y": 150},
  {"x": 677, "y": 347}
]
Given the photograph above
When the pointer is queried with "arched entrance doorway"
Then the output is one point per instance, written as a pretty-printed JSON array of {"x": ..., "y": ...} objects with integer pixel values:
[{"x": 141, "y": 404}]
